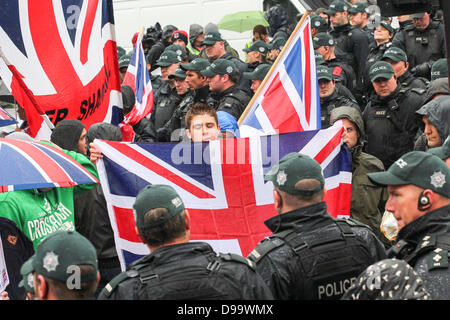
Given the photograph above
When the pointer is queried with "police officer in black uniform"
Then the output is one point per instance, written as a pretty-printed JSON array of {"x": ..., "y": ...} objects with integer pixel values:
[
  {"x": 399, "y": 61},
  {"x": 419, "y": 198},
  {"x": 223, "y": 76},
  {"x": 389, "y": 115},
  {"x": 310, "y": 255},
  {"x": 423, "y": 41},
  {"x": 176, "y": 268},
  {"x": 332, "y": 95}
]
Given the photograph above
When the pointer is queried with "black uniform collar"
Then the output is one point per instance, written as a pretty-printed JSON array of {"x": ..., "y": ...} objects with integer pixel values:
[
  {"x": 227, "y": 91},
  {"x": 343, "y": 28},
  {"x": 302, "y": 219},
  {"x": 175, "y": 252},
  {"x": 383, "y": 100},
  {"x": 405, "y": 76},
  {"x": 436, "y": 221}
]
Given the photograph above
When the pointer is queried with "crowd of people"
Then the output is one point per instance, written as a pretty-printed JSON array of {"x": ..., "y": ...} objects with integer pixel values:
[{"x": 388, "y": 86}]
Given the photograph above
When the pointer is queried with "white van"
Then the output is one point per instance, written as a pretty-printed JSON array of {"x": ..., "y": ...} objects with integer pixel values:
[{"x": 131, "y": 15}]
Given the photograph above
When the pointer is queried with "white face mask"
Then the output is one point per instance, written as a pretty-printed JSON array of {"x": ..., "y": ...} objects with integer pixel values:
[{"x": 389, "y": 225}]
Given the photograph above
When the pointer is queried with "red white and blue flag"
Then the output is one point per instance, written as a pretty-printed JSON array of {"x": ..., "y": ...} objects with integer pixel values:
[
  {"x": 138, "y": 78},
  {"x": 288, "y": 100},
  {"x": 61, "y": 59},
  {"x": 29, "y": 165},
  {"x": 5, "y": 118},
  {"x": 221, "y": 183}
]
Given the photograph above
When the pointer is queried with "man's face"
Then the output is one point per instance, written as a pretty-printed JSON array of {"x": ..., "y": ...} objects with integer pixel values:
[
  {"x": 400, "y": 67},
  {"x": 194, "y": 80},
  {"x": 215, "y": 51},
  {"x": 216, "y": 83},
  {"x": 381, "y": 34},
  {"x": 325, "y": 16},
  {"x": 433, "y": 138},
  {"x": 322, "y": 50},
  {"x": 255, "y": 84},
  {"x": 384, "y": 87},
  {"x": 82, "y": 146},
  {"x": 198, "y": 41},
  {"x": 357, "y": 19},
  {"x": 122, "y": 73},
  {"x": 179, "y": 42},
  {"x": 350, "y": 134},
  {"x": 181, "y": 86},
  {"x": 326, "y": 87},
  {"x": 203, "y": 128},
  {"x": 403, "y": 202},
  {"x": 253, "y": 56},
  {"x": 422, "y": 23},
  {"x": 166, "y": 71},
  {"x": 339, "y": 19}
]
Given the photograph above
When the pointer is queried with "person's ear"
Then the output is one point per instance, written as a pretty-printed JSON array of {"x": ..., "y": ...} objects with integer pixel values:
[
  {"x": 188, "y": 133},
  {"x": 40, "y": 287}
]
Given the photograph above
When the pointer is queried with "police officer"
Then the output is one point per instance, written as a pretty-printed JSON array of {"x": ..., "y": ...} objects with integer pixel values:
[
  {"x": 423, "y": 42},
  {"x": 168, "y": 99},
  {"x": 419, "y": 198},
  {"x": 222, "y": 77},
  {"x": 258, "y": 75},
  {"x": 359, "y": 17},
  {"x": 176, "y": 268},
  {"x": 342, "y": 71},
  {"x": 389, "y": 116},
  {"x": 310, "y": 255},
  {"x": 399, "y": 61},
  {"x": 318, "y": 24},
  {"x": 215, "y": 49},
  {"x": 332, "y": 95},
  {"x": 276, "y": 45},
  {"x": 257, "y": 54},
  {"x": 439, "y": 69},
  {"x": 353, "y": 41}
]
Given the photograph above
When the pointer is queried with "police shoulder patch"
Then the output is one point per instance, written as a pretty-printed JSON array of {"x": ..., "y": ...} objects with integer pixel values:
[{"x": 437, "y": 259}]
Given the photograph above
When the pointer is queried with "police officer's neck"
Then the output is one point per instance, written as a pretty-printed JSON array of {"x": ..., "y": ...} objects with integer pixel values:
[{"x": 180, "y": 240}]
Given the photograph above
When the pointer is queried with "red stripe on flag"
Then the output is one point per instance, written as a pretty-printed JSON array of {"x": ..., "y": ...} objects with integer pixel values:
[
  {"x": 125, "y": 224},
  {"x": 307, "y": 81},
  {"x": 279, "y": 108},
  {"x": 329, "y": 147},
  {"x": 87, "y": 30},
  {"x": 160, "y": 170},
  {"x": 47, "y": 164},
  {"x": 337, "y": 200}
]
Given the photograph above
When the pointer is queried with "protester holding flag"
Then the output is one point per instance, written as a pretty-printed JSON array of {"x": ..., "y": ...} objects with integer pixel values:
[
  {"x": 185, "y": 270},
  {"x": 305, "y": 258}
]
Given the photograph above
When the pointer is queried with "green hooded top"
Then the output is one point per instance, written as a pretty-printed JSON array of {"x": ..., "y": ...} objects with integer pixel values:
[
  {"x": 39, "y": 213},
  {"x": 368, "y": 199}
]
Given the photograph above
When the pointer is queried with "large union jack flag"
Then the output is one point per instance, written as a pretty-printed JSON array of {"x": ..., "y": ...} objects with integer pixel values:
[
  {"x": 61, "y": 58},
  {"x": 288, "y": 99},
  {"x": 221, "y": 183},
  {"x": 138, "y": 78}
]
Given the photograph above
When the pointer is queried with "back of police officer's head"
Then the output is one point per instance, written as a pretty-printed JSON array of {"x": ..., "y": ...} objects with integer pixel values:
[
  {"x": 298, "y": 182},
  {"x": 65, "y": 267},
  {"x": 160, "y": 216}
]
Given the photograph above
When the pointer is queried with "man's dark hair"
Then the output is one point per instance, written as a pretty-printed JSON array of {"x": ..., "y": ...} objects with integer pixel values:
[
  {"x": 163, "y": 233},
  {"x": 63, "y": 292},
  {"x": 259, "y": 28},
  {"x": 296, "y": 200},
  {"x": 199, "y": 109}
]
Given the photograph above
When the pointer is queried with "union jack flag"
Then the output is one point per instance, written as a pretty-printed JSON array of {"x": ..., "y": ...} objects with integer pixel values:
[
  {"x": 62, "y": 60},
  {"x": 5, "y": 118},
  {"x": 138, "y": 78},
  {"x": 221, "y": 183},
  {"x": 288, "y": 99}
]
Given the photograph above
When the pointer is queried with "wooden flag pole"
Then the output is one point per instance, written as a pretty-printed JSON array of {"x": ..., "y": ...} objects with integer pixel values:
[{"x": 288, "y": 42}]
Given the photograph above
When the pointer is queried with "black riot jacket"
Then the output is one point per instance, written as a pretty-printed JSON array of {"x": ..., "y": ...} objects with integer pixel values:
[
  {"x": 312, "y": 255},
  {"x": 425, "y": 245},
  {"x": 188, "y": 271}
]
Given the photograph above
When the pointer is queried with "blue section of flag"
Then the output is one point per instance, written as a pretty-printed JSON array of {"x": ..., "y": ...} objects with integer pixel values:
[{"x": 294, "y": 68}]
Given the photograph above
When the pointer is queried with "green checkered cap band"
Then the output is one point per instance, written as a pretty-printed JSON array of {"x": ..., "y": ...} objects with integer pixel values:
[
  {"x": 198, "y": 64},
  {"x": 381, "y": 69},
  {"x": 322, "y": 39},
  {"x": 61, "y": 251},
  {"x": 292, "y": 168},
  {"x": 156, "y": 196},
  {"x": 418, "y": 168},
  {"x": 168, "y": 58},
  {"x": 336, "y": 6},
  {"x": 220, "y": 66},
  {"x": 395, "y": 54},
  {"x": 258, "y": 46},
  {"x": 359, "y": 7},
  {"x": 439, "y": 69}
]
